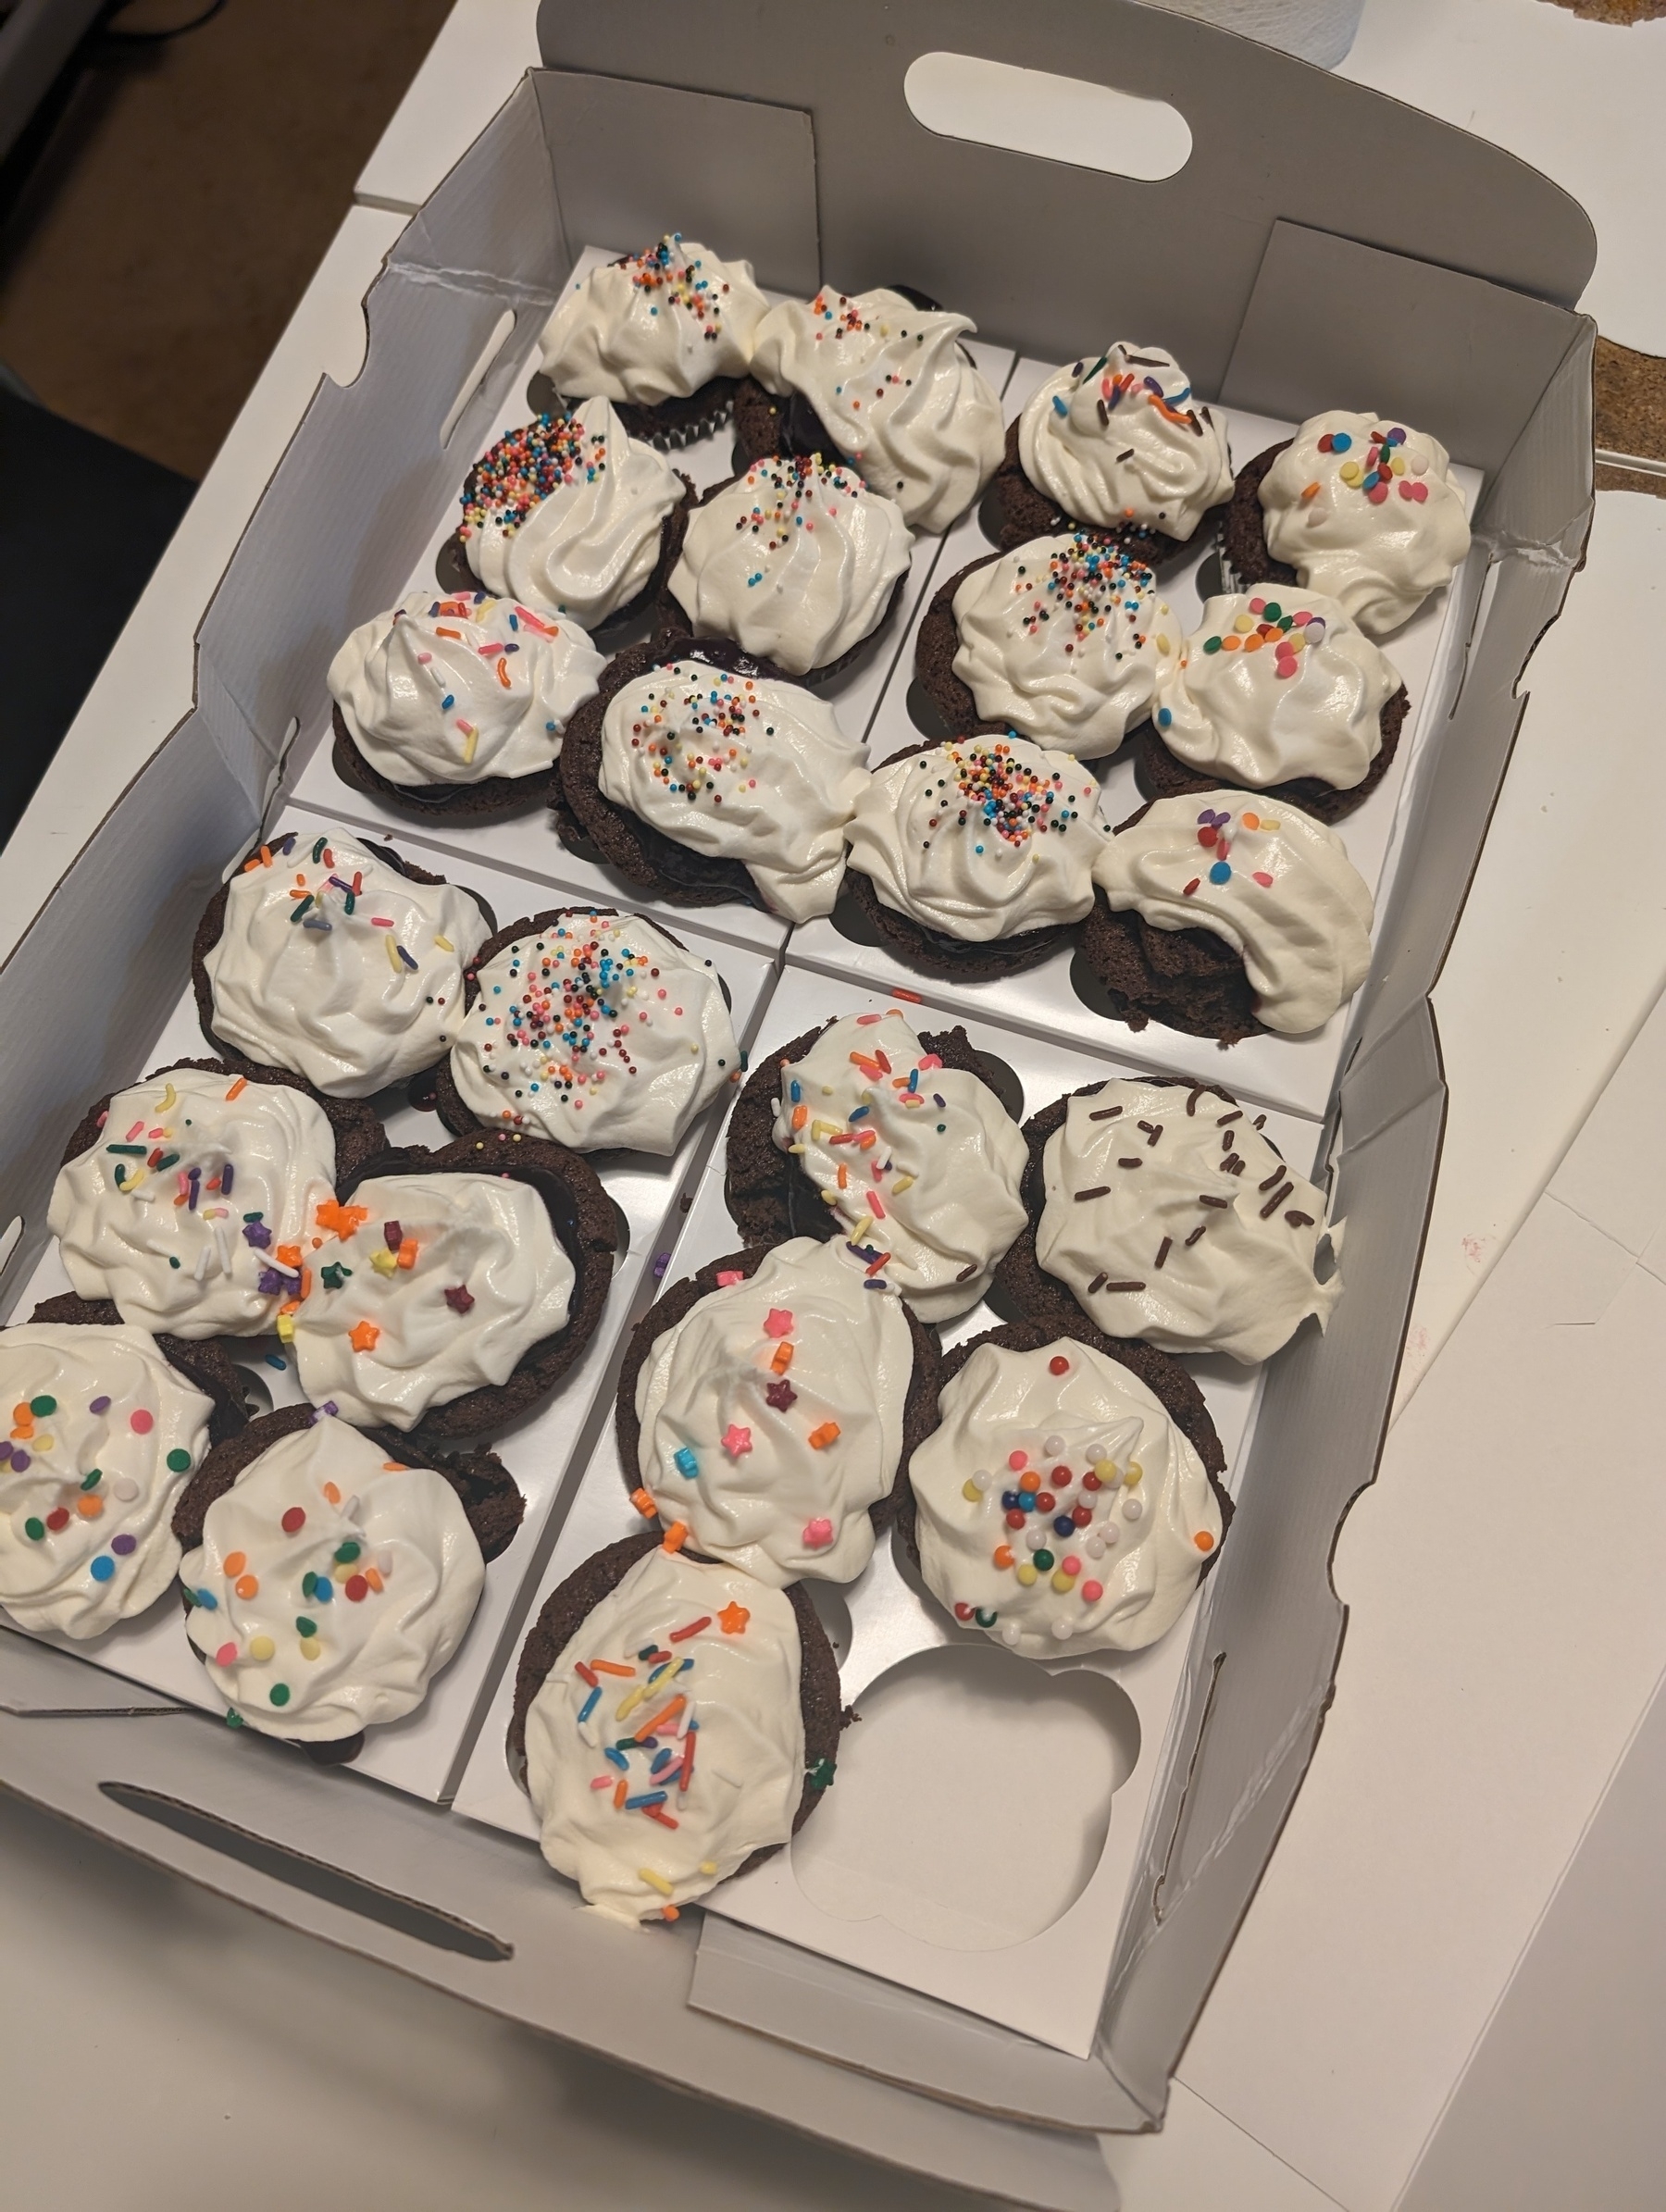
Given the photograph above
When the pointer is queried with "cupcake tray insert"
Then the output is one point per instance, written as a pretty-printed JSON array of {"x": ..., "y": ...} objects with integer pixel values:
[
  {"x": 1050, "y": 1985},
  {"x": 424, "y": 1753}
]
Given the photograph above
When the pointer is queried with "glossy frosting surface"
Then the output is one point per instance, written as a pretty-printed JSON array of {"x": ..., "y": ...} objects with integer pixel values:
[
  {"x": 656, "y": 326},
  {"x": 1120, "y": 442}
]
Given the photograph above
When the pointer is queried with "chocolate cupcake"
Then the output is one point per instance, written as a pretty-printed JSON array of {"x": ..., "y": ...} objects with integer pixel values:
[
  {"x": 108, "y": 1424},
  {"x": 795, "y": 559},
  {"x": 1062, "y": 640},
  {"x": 972, "y": 859},
  {"x": 1287, "y": 697},
  {"x": 338, "y": 961},
  {"x": 665, "y": 335},
  {"x": 571, "y": 516},
  {"x": 450, "y": 1291},
  {"x": 1362, "y": 511},
  {"x": 1162, "y": 1210},
  {"x": 598, "y": 1030},
  {"x": 706, "y": 776},
  {"x": 174, "y": 1192},
  {"x": 828, "y": 1140},
  {"x": 882, "y": 378},
  {"x": 768, "y": 1405},
  {"x": 706, "y": 1703},
  {"x": 1120, "y": 445},
  {"x": 455, "y": 707},
  {"x": 328, "y": 1575},
  {"x": 1226, "y": 921},
  {"x": 1068, "y": 1499}
]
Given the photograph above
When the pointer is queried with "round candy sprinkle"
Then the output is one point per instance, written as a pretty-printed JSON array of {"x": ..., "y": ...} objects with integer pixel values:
[
  {"x": 1092, "y": 1592},
  {"x": 142, "y": 1422},
  {"x": 261, "y": 1648},
  {"x": 102, "y": 1568},
  {"x": 123, "y": 1545},
  {"x": 234, "y": 1564},
  {"x": 34, "y": 1530},
  {"x": 225, "y": 1656},
  {"x": 247, "y": 1585},
  {"x": 179, "y": 1462},
  {"x": 207, "y": 1599},
  {"x": 279, "y": 1692},
  {"x": 91, "y": 1480},
  {"x": 346, "y": 1553},
  {"x": 41, "y": 1405},
  {"x": 126, "y": 1488},
  {"x": 98, "y": 1405},
  {"x": 293, "y": 1520},
  {"x": 358, "y": 1588},
  {"x": 311, "y": 1649}
]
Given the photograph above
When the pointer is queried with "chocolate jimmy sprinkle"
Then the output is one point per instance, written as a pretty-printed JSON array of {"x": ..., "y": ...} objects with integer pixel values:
[
  {"x": 1105, "y": 1113},
  {"x": 1123, "y": 1285},
  {"x": 1153, "y": 1131},
  {"x": 1299, "y": 1221},
  {"x": 1277, "y": 1200},
  {"x": 1163, "y": 1250},
  {"x": 1135, "y": 1161},
  {"x": 1196, "y": 1234},
  {"x": 1204, "y": 1199},
  {"x": 1276, "y": 1177},
  {"x": 1100, "y": 1190}
]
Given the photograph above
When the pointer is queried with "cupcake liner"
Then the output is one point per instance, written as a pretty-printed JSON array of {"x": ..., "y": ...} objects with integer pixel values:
[{"x": 667, "y": 425}]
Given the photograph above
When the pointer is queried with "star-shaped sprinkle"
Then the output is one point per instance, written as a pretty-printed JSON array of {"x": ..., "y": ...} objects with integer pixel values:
[
  {"x": 736, "y": 1440},
  {"x": 781, "y": 1395},
  {"x": 733, "y": 1619},
  {"x": 778, "y": 1321},
  {"x": 818, "y": 1533}
]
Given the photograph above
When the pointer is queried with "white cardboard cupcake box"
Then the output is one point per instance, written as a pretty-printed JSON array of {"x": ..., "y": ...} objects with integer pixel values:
[{"x": 1320, "y": 240}]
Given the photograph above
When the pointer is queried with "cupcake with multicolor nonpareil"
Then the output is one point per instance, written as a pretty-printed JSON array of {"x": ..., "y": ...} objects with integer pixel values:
[
  {"x": 1120, "y": 444},
  {"x": 1164, "y": 1211},
  {"x": 706, "y": 776},
  {"x": 972, "y": 859},
  {"x": 1287, "y": 697},
  {"x": 595, "y": 1029},
  {"x": 665, "y": 335},
  {"x": 1224, "y": 919},
  {"x": 674, "y": 1722},
  {"x": 884, "y": 379},
  {"x": 105, "y": 1433},
  {"x": 796, "y": 561},
  {"x": 328, "y": 1575},
  {"x": 1068, "y": 1499},
  {"x": 900, "y": 1145},
  {"x": 457, "y": 705},
  {"x": 768, "y": 1405},
  {"x": 1064, "y": 640},
  {"x": 174, "y": 1192},
  {"x": 451, "y": 1292},
  {"x": 337, "y": 960},
  {"x": 1359, "y": 507},
  {"x": 571, "y": 516}
]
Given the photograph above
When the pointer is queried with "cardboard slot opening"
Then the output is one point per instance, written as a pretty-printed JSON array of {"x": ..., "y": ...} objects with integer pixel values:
[
  {"x": 1056, "y": 118},
  {"x": 441, "y": 1929},
  {"x": 484, "y": 362}
]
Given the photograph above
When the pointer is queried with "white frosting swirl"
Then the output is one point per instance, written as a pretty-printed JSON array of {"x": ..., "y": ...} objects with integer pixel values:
[
  {"x": 796, "y": 561},
  {"x": 1365, "y": 510},
  {"x": 772, "y": 1414},
  {"x": 1119, "y": 443},
  {"x": 656, "y": 326},
  {"x": 596, "y": 1032},
  {"x": 725, "y": 1701},
  {"x": 982, "y": 838},
  {"x": 387, "y": 1329},
  {"x": 920, "y": 1163},
  {"x": 1065, "y": 639},
  {"x": 182, "y": 1246},
  {"x": 1091, "y": 1446},
  {"x": 104, "y": 1434},
  {"x": 1274, "y": 686},
  {"x": 330, "y": 1586},
  {"x": 565, "y": 515},
  {"x": 333, "y": 965},
  {"x": 1278, "y": 886},
  {"x": 1173, "y": 1218},
  {"x": 742, "y": 768},
  {"x": 894, "y": 389},
  {"x": 451, "y": 690}
]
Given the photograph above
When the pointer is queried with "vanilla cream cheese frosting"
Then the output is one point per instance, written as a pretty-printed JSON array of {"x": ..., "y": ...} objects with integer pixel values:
[
  {"x": 1172, "y": 1216},
  {"x": 918, "y": 1163},
  {"x": 331, "y": 1586},
  {"x": 982, "y": 838},
  {"x": 195, "y": 1179},
  {"x": 1365, "y": 510},
  {"x": 565, "y": 515},
  {"x": 796, "y": 561},
  {"x": 432, "y": 1285},
  {"x": 654, "y": 326},
  {"x": 896, "y": 392},
  {"x": 451, "y": 690},
  {"x": 1065, "y": 640},
  {"x": 771, "y": 1415},
  {"x": 1121, "y": 443},
  {"x": 103, "y": 1435},
  {"x": 332, "y": 964},
  {"x": 1277, "y": 885},
  {"x": 1060, "y": 1510},
  {"x": 667, "y": 1743},
  {"x": 739, "y": 767},
  {"x": 1276, "y": 684},
  {"x": 598, "y": 1031}
]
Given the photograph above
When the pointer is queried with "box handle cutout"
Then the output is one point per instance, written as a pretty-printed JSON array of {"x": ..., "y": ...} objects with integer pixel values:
[
  {"x": 441, "y": 1929},
  {"x": 1056, "y": 118},
  {"x": 478, "y": 375}
]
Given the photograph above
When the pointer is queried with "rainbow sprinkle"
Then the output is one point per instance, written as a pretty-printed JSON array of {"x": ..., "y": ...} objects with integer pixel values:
[{"x": 527, "y": 467}]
